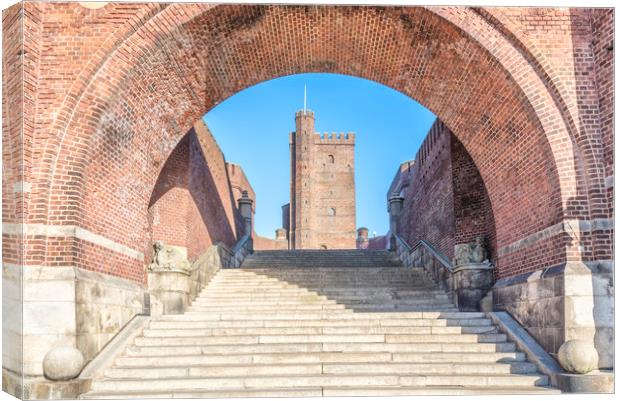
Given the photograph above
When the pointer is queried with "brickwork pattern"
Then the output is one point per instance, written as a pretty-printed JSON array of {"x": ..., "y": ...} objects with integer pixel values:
[
  {"x": 194, "y": 203},
  {"x": 473, "y": 212},
  {"x": 445, "y": 200},
  {"x": 110, "y": 92},
  {"x": 322, "y": 187},
  {"x": 428, "y": 207}
]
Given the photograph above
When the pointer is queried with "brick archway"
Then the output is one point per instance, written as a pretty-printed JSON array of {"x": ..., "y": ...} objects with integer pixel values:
[{"x": 142, "y": 90}]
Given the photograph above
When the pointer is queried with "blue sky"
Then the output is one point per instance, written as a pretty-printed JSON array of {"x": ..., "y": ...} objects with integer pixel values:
[{"x": 252, "y": 130}]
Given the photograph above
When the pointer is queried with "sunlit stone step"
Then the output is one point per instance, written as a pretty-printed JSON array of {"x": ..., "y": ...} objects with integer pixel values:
[
  {"x": 320, "y": 357},
  {"x": 175, "y": 331},
  {"x": 194, "y": 321},
  {"x": 251, "y": 370},
  {"x": 192, "y": 393},
  {"x": 293, "y": 381},
  {"x": 264, "y": 308},
  {"x": 320, "y": 331},
  {"x": 158, "y": 350},
  {"x": 328, "y": 391}
]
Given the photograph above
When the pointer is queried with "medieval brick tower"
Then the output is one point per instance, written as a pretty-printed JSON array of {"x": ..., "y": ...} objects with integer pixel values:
[{"x": 322, "y": 208}]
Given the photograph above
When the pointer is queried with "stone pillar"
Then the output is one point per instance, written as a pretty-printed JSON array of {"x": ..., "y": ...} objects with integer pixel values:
[
  {"x": 472, "y": 274},
  {"x": 472, "y": 282},
  {"x": 395, "y": 205},
  {"x": 245, "y": 208}
]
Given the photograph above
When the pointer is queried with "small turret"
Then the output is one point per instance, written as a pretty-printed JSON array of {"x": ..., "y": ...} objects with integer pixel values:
[{"x": 304, "y": 122}]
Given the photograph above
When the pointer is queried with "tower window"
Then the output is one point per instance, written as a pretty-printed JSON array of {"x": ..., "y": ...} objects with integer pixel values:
[
  {"x": 331, "y": 211},
  {"x": 330, "y": 159}
]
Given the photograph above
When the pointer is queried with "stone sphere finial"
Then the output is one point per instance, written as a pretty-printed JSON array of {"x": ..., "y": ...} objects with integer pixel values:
[
  {"x": 578, "y": 356},
  {"x": 63, "y": 363}
]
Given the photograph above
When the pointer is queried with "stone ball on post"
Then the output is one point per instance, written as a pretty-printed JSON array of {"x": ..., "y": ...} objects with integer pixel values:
[
  {"x": 63, "y": 363},
  {"x": 578, "y": 356}
]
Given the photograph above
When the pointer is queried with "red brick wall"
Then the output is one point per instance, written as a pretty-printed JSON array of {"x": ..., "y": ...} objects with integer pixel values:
[
  {"x": 603, "y": 53},
  {"x": 194, "y": 203},
  {"x": 266, "y": 244},
  {"x": 445, "y": 200},
  {"x": 335, "y": 184},
  {"x": 473, "y": 212},
  {"x": 603, "y": 49},
  {"x": 428, "y": 208},
  {"x": 110, "y": 92},
  {"x": 169, "y": 204},
  {"x": 13, "y": 107}
]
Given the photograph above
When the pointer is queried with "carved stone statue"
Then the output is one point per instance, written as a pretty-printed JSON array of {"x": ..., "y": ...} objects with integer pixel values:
[
  {"x": 166, "y": 257},
  {"x": 473, "y": 252}
]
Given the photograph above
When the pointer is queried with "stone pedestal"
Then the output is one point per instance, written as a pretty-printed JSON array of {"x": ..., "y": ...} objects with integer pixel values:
[
  {"x": 472, "y": 281},
  {"x": 170, "y": 291}
]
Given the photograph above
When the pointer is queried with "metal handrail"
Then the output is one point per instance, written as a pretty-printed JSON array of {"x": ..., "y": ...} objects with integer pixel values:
[
  {"x": 240, "y": 244},
  {"x": 436, "y": 254}
]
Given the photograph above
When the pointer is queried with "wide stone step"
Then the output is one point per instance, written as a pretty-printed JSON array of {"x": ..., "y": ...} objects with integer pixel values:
[
  {"x": 230, "y": 349},
  {"x": 420, "y": 347},
  {"x": 214, "y": 371},
  {"x": 191, "y": 393},
  {"x": 313, "y": 264},
  {"x": 485, "y": 333},
  {"x": 196, "y": 337},
  {"x": 215, "y": 307},
  {"x": 236, "y": 359},
  {"x": 204, "y": 301},
  {"x": 253, "y": 370},
  {"x": 235, "y": 331},
  {"x": 344, "y": 314},
  {"x": 453, "y": 368},
  {"x": 331, "y": 316},
  {"x": 259, "y": 296},
  {"x": 403, "y": 308},
  {"x": 292, "y": 290},
  {"x": 323, "y": 273},
  {"x": 339, "y": 308},
  {"x": 220, "y": 383},
  {"x": 325, "y": 294},
  {"x": 195, "y": 321},
  {"x": 327, "y": 391},
  {"x": 302, "y": 279},
  {"x": 327, "y": 284},
  {"x": 234, "y": 302},
  {"x": 320, "y": 357},
  {"x": 387, "y": 391}
]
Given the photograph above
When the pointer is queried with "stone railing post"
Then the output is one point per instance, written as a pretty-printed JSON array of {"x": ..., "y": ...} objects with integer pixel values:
[
  {"x": 472, "y": 274},
  {"x": 245, "y": 208},
  {"x": 395, "y": 205}
]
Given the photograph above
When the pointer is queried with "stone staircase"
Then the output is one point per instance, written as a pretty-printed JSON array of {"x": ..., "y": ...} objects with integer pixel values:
[
  {"x": 289, "y": 329},
  {"x": 321, "y": 258}
]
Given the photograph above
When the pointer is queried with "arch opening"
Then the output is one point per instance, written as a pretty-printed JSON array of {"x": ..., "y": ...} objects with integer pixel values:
[{"x": 481, "y": 102}]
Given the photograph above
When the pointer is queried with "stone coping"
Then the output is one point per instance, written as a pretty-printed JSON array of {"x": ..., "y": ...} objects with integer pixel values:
[
  {"x": 526, "y": 343},
  {"x": 115, "y": 347},
  {"x": 436, "y": 254}
]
